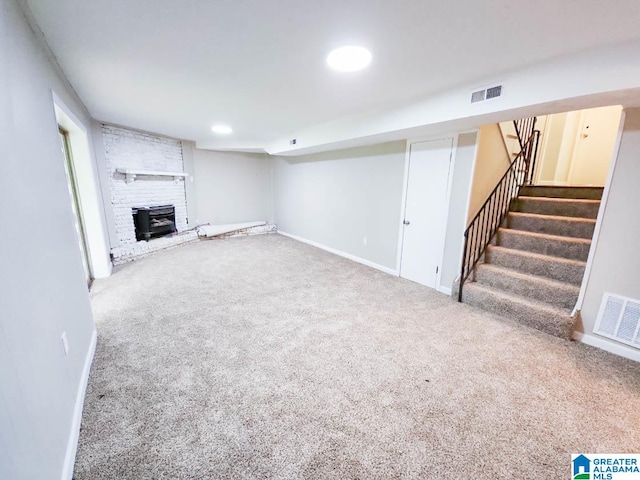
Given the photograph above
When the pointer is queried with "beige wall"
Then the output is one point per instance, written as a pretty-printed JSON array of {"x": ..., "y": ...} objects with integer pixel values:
[
  {"x": 566, "y": 157},
  {"x": 458, "y": 205},
  {"x": 491, "y": 163},
  {"x": 549, "y": 152},
  {"x": 616, "y": 256},
  {"x": 595, "y": 140}
]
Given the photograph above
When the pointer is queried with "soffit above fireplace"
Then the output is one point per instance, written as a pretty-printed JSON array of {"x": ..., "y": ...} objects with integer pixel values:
[{"x": 131, "y": 174}]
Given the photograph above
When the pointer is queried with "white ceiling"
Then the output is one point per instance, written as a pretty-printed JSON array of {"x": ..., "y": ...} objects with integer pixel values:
[{"x": 176, "y": 68}]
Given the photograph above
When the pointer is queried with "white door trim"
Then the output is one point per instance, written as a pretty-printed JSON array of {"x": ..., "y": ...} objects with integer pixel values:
[
  {"x": 411, "y": 141},
  {"x": 89, "y": 187}
]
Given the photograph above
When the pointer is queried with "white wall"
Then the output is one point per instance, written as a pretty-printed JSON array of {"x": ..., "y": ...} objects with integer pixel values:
[
  {"x": 42, "y": 287},
  {"x": 232, "y": 187},
  {"x": 560, "y": 85},
  {"x": 616, "y": 257},
  {"x": 339, "y": 198},
  {"x": 126, "y": 148}
]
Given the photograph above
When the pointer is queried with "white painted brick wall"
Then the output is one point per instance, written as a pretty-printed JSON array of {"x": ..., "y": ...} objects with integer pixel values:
[{"x": 128, "y": 149}]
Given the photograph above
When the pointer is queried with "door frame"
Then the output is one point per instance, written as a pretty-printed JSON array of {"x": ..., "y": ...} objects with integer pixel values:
[
  {"x": 90, "y": 188},
  {"x": 403, "y": 203},
  {"x": 72, "y": 179}
]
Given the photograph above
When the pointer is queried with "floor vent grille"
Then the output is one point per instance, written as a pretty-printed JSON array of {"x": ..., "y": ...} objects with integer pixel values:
[{"x": 619, "y": 319}]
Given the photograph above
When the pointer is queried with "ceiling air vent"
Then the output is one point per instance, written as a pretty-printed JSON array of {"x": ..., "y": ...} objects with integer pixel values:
[
  {"x": 486, "y": 94},
  {"x": 619, "y": 319},
  {"x": 478, "y": 96},
  {"x": 494, "y": 92}
]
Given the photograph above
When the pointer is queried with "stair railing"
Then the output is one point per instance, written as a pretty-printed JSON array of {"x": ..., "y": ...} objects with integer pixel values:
[
  {"x": 524, "y": 129},
  {"x": 489, "y": 218}
]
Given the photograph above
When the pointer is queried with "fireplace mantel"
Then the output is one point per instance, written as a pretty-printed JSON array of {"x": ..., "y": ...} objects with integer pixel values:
[{"x": 131, "y": 174}]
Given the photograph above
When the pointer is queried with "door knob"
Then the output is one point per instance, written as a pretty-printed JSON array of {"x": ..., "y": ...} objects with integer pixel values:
[{"x": 406, "y": 222}]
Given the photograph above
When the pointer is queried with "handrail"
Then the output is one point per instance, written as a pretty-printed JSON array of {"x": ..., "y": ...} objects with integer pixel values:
[{"x": 487, "y": 221}]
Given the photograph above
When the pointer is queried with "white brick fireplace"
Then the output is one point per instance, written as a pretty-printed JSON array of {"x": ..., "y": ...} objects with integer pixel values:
[{"x": 150, "y": 156}]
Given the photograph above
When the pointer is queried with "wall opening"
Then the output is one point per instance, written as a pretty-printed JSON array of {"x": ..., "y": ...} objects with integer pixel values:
[{"x": 576, "y": 147}]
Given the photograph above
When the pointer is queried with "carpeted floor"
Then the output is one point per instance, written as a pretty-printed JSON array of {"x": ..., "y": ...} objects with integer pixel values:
[{"x": 262, "y": 357}]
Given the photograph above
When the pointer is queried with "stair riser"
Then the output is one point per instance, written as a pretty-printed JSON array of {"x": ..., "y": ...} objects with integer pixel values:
[
  {"x": 536, "y": 266},
  {"x": 551, "y": 226},
  {"x": 563, "y": 209},
  {"x": 548, "y": 246},
  {"x": 553, "y": 324},
  {"x": 587, "y": 193},
  {"x": 561, "y": 297}
]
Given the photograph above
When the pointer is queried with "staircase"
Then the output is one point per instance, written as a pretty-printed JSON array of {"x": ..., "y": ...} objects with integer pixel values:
[{"x": 533, "y": 267}]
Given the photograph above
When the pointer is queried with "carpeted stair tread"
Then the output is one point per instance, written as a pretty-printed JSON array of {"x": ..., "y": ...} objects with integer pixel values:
[
  {"x": 567, "y": 207},
  {"x": 542, "y": 289},
  {"x": 555, "y": 268},
  {"x": 552, "y": 320},
  {"x": 574, "y": 248},
  {"x": 594, "y": 193},
  {"x": 551, "y": 224}
]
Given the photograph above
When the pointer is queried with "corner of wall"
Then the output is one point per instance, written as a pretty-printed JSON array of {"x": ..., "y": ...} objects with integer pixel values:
[
  {"x": 190, "y": 182},
  {"x": 103, "y": 175}
]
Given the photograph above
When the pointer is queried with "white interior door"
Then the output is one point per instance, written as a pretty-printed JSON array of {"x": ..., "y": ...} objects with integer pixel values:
[{"x": 425, "y": 211}]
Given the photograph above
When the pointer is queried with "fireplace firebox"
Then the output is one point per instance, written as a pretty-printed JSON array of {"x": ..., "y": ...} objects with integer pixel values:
[{"x": 154, "y": 222}]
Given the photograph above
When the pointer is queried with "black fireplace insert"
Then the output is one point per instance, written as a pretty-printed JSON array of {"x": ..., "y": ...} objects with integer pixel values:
[{"x": 154, "y": 222}]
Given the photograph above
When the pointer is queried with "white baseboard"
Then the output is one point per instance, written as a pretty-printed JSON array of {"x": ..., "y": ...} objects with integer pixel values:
[
  {"x": 445, "y": 290},
  {"x": 368, "y": 263},
  {"x": 609, "y": 346},
  {"x": 72, "y": 445}
]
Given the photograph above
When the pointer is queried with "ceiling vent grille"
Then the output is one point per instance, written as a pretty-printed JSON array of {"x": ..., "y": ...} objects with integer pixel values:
[
  {"x": 486, "y": 94},
  {"x": 494, "y": 92},
  {"x": 619, "y": 319},
  {"x": 478, "y": 96}
]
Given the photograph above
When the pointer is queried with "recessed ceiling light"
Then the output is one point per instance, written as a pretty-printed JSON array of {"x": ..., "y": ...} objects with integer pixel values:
[
  {"x": 222, "y": 129},
  {"x": 349, "y": 59}
]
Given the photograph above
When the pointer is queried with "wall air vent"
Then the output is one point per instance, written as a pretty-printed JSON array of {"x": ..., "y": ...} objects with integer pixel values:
[
  {"x": 619, "y": 319},
  {"x": 486, "y": 94}
]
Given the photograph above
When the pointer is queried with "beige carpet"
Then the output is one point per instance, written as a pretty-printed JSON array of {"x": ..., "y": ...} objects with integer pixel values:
[{"x": 262, "y": 357}]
